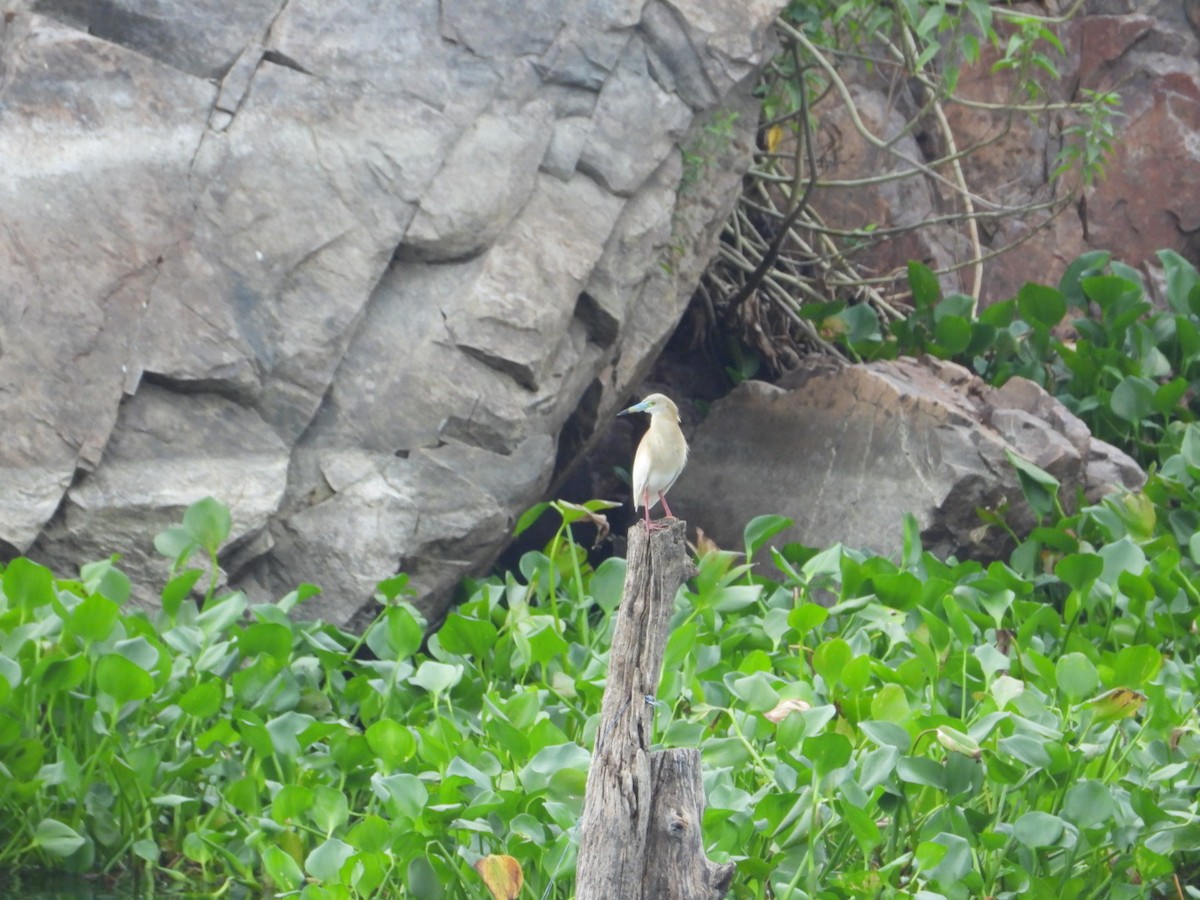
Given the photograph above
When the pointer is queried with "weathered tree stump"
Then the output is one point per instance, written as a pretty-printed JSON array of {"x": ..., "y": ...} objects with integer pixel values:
[{"x": 640, "y": 834}]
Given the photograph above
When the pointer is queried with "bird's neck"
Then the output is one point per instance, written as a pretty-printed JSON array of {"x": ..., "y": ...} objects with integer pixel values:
[{"x": 663, "y": 422}]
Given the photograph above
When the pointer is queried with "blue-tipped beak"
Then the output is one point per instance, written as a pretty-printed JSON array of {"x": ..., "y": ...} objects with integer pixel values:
[{"x": 637, "y": 407}]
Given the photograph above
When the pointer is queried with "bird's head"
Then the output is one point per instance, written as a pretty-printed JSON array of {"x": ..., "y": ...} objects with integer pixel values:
[{"x": 656, "y": 405}]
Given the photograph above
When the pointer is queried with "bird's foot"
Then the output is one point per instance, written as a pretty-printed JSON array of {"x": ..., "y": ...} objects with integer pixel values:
[{"x": 655, "y": 525}]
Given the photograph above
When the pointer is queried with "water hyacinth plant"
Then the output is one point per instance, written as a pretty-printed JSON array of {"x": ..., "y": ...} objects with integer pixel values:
[{"x": 868, "y": 727}]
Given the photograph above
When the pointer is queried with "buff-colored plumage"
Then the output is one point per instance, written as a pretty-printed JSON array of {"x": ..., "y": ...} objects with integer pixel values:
[{"x": 660, "y": 456}]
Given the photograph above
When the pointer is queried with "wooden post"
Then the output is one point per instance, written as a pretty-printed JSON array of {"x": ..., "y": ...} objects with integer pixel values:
[{"x": 640, "y": 833}]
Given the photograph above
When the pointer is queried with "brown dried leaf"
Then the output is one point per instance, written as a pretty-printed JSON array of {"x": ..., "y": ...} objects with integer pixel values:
[
  {"x": 1119, "y": 703},
  {"x": 774, "y": 137},
  {"x": 784, "y": 708},
  {"x": 574, "y": 512},
  {"x": 502, "y": 875},
  {"x": 704, "y": 544}
]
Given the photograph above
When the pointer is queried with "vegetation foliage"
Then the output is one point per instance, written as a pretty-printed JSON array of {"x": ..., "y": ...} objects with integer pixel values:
[
  {"x": 1128, "y": 369},
  {"x": 869, "y": 97},
  {"x": 869, "y": 727}
]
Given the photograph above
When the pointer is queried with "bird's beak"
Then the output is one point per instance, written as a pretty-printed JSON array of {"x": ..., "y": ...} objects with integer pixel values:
[{"x": 637, "y": 407}]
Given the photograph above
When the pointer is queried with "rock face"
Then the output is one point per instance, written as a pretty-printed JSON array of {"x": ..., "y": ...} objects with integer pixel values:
[
  {"x": 846, "y": 453},
  {"x": 349, "y": 267},
  {"x": 1148, "y": 200}
]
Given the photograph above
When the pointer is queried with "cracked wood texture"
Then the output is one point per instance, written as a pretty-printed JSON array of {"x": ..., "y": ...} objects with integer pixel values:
[{"x": 640, "y": 833}]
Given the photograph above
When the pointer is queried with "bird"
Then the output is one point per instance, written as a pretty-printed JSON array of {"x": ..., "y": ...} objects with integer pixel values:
[{"x": 660, "y": 456}]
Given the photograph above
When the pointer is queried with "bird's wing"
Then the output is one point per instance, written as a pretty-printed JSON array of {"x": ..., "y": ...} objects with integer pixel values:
[{"x": 641, "y": 473}]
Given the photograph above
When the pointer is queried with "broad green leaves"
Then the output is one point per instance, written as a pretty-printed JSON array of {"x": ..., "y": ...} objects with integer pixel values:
[
  {"x": 823, "y": 703},
  {"x": 1127, "y": 370},
  {"x": 57, "y": 839}
]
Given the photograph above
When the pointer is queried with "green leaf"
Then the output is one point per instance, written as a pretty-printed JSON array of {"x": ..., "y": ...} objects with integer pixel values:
[
  {"x": 887, "y": 734},
  {"x": 877, "y": 767},
  {"x": 397, "y": 634},
  {"x": 104, "y": 578},
  {"x": 1121, "y": 557},
  {"x": 890, "y": 704},
  {"x": 203, "y": 699},
  {"x": 1076, "y": 675},
  {"x": 1041, "y": 304},
  {"x": 756, "y": 691},
  {"x": 829, "y": 659},
  {"x": 950, "y": 865},
  {"x": 1000, "y": 315},
  {"x": 326, "y": 860},
  {"x": 176, "y": 543},
  {"x": 1040, "y": 487},
  {"x": 282, "y": 869},
  {"x": 862, "y": 324},
  {"x": 856, "y": 674},
  {"x": 57, "y": 838},
  {"x": 390, "y": 588},
  {"x": 467, "y": 636},
  {"x": 735, "y": 597},
  {"x": 10, "y": 677},
  {"x": 1181, "y": 278},
  {"x": 545, "y": 643},
  {"x": 437, "y": 677},
  {"x": 1084, "y": 266},
  {"x": 1136, "y": 665},
  {"x": 94, "y": 618},
  {"x": 1038, "y": 829},
  {"x": 63, "y": 675},
  {"x": 898, "y": 591},
  {"x": 28, "y": 585},
  {"x": 1089, "y": 804},
  {"x": 291, "y": 803},
  {"x": 1028, "y": 750},
  {"x": 926, "y": 290},
  {"x": 208, "y": 522},
  {"x": 1079, "y": 570},
  {"x": 178, "y": 588},
  {"x": 827, "y": 752},
  {"x": 1133, "y": 398},
  {"x": 862, "y": 826},
  {"x": 919, "y": 770},
  {"x": 407, "y": 796},
  {"x": 391, "y": 742},
  {"x": 123, "y": 680},
  {"x": 330, "y": 809},
  {"x": 423, "y": 881},
  {"x": 146, "y": 849},
  {"x": 1168, "y": 397},
  {"x": 953, "y": 334},
  {"x": 371, "y": 834},
  {"x": 1108, "y": 291},
  {"x": 955, "y": 306},
  {"x": 221, "y": 613},
  {"x": 267, "y": 638},
  {"x": 285, "y": 730},
  {"x": 807, "y": 617},
  {"x": 761, "y": 529}
]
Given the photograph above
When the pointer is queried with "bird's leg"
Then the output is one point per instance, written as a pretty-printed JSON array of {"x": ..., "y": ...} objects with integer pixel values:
[
  {"x": 663, "y": 498},
  {"x": 650, "y": 526}
]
